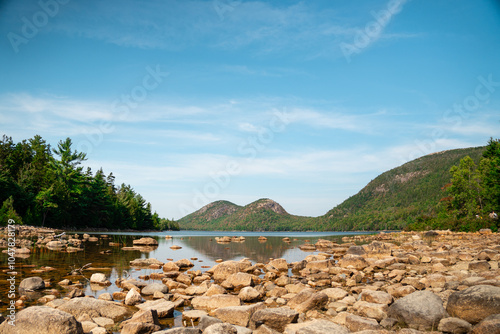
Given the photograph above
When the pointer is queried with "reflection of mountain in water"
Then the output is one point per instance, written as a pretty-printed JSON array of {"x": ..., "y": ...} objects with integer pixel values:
[{"x": 256, "y": 251}]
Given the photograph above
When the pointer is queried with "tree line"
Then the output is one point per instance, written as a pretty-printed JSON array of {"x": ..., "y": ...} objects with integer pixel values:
[
  {"x": 472, "y": 196},
  {"x": 44, "y": 186}
]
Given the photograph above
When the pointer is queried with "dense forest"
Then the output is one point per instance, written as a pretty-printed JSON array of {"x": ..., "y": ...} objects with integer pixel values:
[
  {"x": 471, "y": 198},
  {"x": 400, "y": 197},
  {"x": 44, "y": 186}
]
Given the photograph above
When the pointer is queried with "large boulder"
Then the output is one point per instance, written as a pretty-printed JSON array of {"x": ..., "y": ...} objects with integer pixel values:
[
  {"x": 379, "y": 297},
  {"x": 151, "y": 288},
  {"x": 371, "y": 310},
  {"x": 378, "y": 249},
  {"x": 238, "y": 315},
  {"x": 275, "y": 318},
  {"x": 420, "y": 310},
  {"x": 248, "y": 294},
  {"x": 279, "y": 264},
  {"x": 224, "y": 269},
  {"x": 315, "y": 327},
  {"x": 475, "y": 303},
  {"x": 133, "y": 297},
  {"x": 355, "y": 261},
  {"x": 238, "y": 281},
  {"x": 148, "y": 316},
  {"x": 95, "y": 308},
  {"x": 42, "y": 320},
  {"x": 307, "y": 300},
  {"x": 335, "y": 294},
  {"x": 32, "y": 284},
  {"x": 163, "y": 307}
]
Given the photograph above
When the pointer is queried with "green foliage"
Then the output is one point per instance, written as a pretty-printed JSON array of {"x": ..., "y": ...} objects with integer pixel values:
[
  {"x": 473, "y": 194},
  {"x": 466, "y": 189},
  {"x": 256, "y": 216},
  {"x": 409, "y": 195},
  {"x": 48, "y": 187},
  {"x": 7, "y": 212}
]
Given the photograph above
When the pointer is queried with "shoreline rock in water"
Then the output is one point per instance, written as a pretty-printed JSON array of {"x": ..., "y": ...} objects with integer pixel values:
[{"x": 404, "y": 282}]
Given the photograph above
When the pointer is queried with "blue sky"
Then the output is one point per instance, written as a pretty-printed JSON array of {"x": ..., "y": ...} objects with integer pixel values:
[{"x": 303, "y": 102}]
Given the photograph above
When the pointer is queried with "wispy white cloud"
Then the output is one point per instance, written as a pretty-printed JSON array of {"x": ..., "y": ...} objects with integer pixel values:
[{"x": 176, "y": 25}]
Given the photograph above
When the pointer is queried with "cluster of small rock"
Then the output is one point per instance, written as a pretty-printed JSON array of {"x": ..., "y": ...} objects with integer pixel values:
[{"x": 405, "y": 283}]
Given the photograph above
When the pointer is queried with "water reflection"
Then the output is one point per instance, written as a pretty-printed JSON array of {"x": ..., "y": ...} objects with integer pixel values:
[{"x": 109, "y": 256}]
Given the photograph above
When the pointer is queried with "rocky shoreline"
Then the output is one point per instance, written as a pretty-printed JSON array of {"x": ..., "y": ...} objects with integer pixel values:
[{"x": 405, "y": 282}]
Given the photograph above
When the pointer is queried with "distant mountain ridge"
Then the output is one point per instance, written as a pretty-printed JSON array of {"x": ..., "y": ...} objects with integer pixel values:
[
  {"x": 261, "y": 215},
  {"x": 392, "y": 200}
]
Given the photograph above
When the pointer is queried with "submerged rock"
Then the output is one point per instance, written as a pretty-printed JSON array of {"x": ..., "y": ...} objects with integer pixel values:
[{"x": 32, "y": 284}]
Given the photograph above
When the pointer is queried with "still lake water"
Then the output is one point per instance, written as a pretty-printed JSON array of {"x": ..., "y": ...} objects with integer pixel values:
[{"x": 114, "y": 262}]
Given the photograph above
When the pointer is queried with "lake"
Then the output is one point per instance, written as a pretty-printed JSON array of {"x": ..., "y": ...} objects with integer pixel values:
[{"x": 199, "y": 246}]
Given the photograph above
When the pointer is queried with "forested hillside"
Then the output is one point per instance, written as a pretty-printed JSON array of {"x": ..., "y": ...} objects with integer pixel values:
[
  {"x": 400, "y": 196},
  {"x": 42, "y": 186},
  {"x": 454, "y": 189},
  {"x": 261, "y": 215}
]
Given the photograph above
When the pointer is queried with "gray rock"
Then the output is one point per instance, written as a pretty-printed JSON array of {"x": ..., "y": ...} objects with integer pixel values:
[
  {"x": 179, "y": 330},
  {"x": 133, "y": 297},
  {"x": 206, "y": 321},
  {"x": 32, "y": 284},
  {"x": 475, "y": 303},
  {"x": 356, "y": 250},
  {"x": 150, "y": 289},
  {"x": 139, "y": 328},
  {"x": 42, "y": 320},
  {"x": 163, "y": 307},
  {"x": 316, "y": 327},
  {"x": 95, "y": 308},
  {"x": 238, "y": 315},
  {"x": 248, "y": 294},
  {"x": 355, "y": 323},
  {"x": 454, "y": 326},
  {"x": 221, "y": 328},
  {"x": 275, "y": 318},
  {"x": 420, "y": 310},
  {"x": 479, "y": 266},
  {"x": 307, "y": 300}
]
